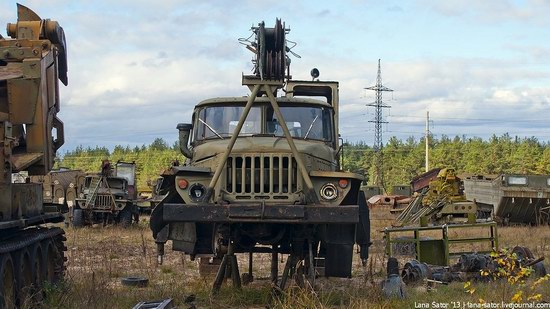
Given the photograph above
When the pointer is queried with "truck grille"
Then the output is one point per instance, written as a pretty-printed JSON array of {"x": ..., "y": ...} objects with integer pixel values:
[
  {"x": 262, "y": 176},
  {"x": 103, "y": 201}
]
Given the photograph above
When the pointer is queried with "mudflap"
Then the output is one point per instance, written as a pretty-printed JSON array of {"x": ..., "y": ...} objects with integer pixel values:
[
  {"x": 156, "y": 222},
  {"x": 205, "y": 238},
  {"x": 340, "y": 239},
  {"x": 339, "y": 250},
  {"x": 362, "y": 231}
]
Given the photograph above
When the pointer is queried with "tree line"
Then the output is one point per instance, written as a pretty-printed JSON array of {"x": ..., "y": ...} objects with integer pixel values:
[
  {"x": 150, "y": 159},
  {"x": 405, "y": 159},
  {"x": 402, "y": 159}
]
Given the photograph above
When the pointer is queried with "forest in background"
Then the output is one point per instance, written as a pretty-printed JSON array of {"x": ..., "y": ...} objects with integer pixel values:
[{"x": 402, "y": 159}]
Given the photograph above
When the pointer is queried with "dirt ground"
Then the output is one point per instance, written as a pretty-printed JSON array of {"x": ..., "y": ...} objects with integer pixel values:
[{"x": 98, "y": 257}]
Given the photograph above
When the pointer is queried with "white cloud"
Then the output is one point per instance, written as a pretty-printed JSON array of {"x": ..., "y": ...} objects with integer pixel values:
[
  {"x": 136, "y": 69},
  {"x": 490, "y": 11}
]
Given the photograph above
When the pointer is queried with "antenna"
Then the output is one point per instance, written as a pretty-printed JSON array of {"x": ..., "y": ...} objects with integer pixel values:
[
  {"x": 427, "y": 140},
  {"x": 378, "y": 121}
]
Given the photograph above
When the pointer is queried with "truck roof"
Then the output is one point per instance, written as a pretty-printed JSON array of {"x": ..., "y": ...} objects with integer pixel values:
[{"x": 243, "y": 100}]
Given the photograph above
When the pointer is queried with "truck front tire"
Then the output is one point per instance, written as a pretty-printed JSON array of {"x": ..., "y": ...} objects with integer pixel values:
[
  {"x": 78, "y": 217},
  {"x": 125, "y": 217}
]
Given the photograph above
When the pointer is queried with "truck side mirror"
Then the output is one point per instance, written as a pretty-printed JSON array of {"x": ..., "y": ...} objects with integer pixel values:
[{"x": 184, "y": 133}]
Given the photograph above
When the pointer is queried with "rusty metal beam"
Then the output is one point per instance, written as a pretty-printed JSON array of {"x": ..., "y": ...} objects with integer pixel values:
[
  {"x": 290, "y": 140},
  {"x": 223, "y": 159}
]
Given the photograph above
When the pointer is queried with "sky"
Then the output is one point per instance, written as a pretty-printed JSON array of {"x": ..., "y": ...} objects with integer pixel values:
[{"x": 138, "y": 67}]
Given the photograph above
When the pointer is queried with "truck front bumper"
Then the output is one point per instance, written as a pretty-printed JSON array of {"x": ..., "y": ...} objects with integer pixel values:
[{"x": 234, "y": 213}]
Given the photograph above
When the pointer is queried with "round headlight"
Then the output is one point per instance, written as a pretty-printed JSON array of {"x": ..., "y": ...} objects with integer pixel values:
[
  {"x": 329, "y": 192},
  {"x": 196, "y": 192}
]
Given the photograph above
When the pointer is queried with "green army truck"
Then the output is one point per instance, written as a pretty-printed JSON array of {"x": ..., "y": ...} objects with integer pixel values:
[
  {"x": 108, "y": 197},
  {"x": 263, "y": 176}
]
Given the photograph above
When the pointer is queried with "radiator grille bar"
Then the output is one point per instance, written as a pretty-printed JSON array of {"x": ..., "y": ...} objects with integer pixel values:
[{"x": 261, "y": 175}]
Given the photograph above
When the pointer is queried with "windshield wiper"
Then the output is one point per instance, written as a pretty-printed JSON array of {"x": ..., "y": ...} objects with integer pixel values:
[
  {"x": 211, "y": 129},
  {"x": 311, "y": 126}
]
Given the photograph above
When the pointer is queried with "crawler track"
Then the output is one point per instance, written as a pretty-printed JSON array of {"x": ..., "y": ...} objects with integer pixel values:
[{"x": 28, "y": 259}]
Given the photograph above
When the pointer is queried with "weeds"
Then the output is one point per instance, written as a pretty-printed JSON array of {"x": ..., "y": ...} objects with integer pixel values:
[
  {"x": 515, "y": 281},
  {"x": 98, "y": 257}
]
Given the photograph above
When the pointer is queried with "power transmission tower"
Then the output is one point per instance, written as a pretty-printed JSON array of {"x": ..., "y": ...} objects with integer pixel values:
[{"x": 378, "y": 121}]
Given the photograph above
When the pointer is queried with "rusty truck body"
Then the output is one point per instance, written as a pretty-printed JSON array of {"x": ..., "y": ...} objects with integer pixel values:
[
  {"x": 61, "y": 186},
  {"x": 108, "y": 197},
  {"x": 32, "y": 61}
]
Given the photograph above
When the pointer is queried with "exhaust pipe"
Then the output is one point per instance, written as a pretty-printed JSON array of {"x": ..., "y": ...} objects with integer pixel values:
[{"x": 185, "y": 131}]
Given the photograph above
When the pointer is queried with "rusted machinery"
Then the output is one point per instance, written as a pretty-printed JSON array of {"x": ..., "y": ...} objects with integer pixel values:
[
  {"x": 423, "y": 180},
  {"x": 511, "y": 198},
  {"x": 31, "y": 62},
  {"x": 441, "y": 202},
  {"x": 473, "y": 266},
  {"x": 61, "y": 187},
  {"x": 263, "y": 176},
  {"x": 108, "y": 197}
]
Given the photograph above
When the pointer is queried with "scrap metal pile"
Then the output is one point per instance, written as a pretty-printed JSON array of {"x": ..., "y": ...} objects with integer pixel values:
[
  {"x": 442, "y": 201},
  {"x": 474, "y": 267}
]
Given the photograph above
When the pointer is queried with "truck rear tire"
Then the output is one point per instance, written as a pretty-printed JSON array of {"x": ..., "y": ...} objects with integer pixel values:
[
  {"x": 78, "y": 217},
  {"x": 125, "y": 217}
]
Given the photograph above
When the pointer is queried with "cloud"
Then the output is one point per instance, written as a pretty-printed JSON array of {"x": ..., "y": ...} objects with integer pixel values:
[
  {"x": 136, "y": 69},
  {"x": 395, "y": 9},
  {"x": 461, "y": 95},
  {"x": 493, "y": 11},
  {"x": 323, "y": 13}
]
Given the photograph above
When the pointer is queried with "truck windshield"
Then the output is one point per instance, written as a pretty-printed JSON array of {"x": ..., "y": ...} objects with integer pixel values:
[
  {"x": 116, "y": 183},
  {"x": 303, "y": 122},
  {"x": 127, "y": 171},
  {"x": 220, "y": 122}
]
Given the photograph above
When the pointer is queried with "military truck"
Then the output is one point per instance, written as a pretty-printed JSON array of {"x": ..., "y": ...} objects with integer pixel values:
[
  {"x": 263, "y": 176},
  {"x": 61, "y": 186},
  {"x": 31, "y": 63},
  {"x": 108, "y": 197},
  {"x": 511, "y": 198}
]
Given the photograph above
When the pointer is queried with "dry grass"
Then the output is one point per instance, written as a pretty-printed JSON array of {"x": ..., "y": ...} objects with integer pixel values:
[{"x": 98, "y": 257}]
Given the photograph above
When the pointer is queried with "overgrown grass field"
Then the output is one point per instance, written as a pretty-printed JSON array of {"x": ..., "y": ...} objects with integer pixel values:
[{"x": 98, "y": 257}]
